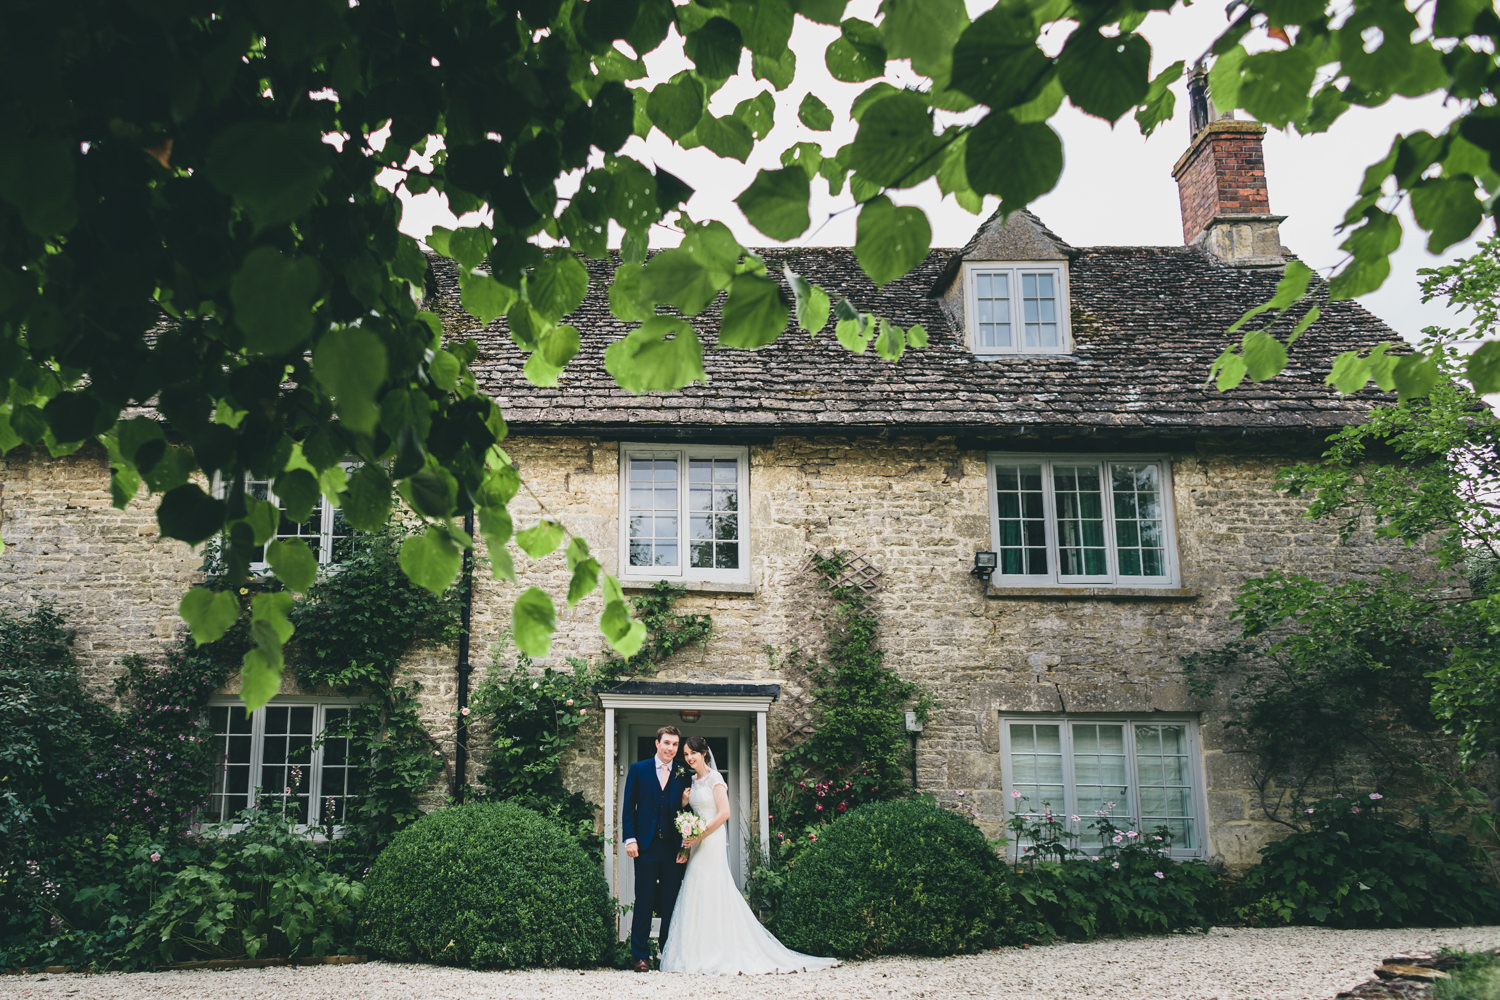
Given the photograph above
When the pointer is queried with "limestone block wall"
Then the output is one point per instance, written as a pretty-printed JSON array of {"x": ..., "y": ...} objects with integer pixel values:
[
  {"x": 107, "y": 571},
  {"x": 918, "y": 510}
]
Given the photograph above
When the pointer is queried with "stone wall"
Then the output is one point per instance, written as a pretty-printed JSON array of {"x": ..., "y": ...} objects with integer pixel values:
[
  {"x": 106, "y": 571},
  {"x": 916, "y": 509}
]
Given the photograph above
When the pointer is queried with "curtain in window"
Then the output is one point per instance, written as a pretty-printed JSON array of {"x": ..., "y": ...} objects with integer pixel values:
[{"x": 1080, "y": 520}]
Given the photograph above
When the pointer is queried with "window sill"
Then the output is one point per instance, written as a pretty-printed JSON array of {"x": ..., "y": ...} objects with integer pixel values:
[
  {"x": 1092, "y": 593},
  {"x": 693, "y": 586}
]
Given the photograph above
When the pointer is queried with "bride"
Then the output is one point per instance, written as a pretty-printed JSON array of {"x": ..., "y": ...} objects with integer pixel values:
[{"x": 715, "y": 930}]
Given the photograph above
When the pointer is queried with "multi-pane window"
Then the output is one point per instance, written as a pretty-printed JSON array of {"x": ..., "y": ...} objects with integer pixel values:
[
  {"x": 1088, "y": 520},
  {"x": 1017, "y": 309},
  {"x": 292, "y": 757},
  {"x": 1140, "y": 772},
  {"x": 683, "y": 513},
  {"x": 325, "y": 531}
]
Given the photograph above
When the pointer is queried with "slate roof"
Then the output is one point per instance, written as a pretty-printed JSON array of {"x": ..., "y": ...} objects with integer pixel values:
[{"x": 1146, "y": 323}]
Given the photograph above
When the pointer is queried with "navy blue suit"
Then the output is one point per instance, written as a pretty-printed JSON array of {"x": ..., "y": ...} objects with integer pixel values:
[{"x": 649, "y": 816}]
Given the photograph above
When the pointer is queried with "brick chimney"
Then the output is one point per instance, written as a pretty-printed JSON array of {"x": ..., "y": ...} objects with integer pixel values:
[{"x": 1221, "y": 181}]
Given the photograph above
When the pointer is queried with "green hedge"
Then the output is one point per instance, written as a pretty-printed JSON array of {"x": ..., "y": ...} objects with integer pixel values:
[
  {"x": 895, "y": 877},
  {"x": 487, "y": 885}
]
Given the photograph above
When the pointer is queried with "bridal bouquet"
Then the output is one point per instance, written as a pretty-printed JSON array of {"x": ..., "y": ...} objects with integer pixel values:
[{"x": 689, "y": 824}]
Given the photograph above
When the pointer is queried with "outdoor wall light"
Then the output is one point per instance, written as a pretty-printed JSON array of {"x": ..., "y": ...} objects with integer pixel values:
[
  {"x": 984, "y": 566},
  {"x": 690, "y": 715}
]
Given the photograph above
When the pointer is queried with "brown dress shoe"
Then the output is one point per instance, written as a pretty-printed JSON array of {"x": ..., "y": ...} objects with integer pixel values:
[{"x": 641, "y": 965}]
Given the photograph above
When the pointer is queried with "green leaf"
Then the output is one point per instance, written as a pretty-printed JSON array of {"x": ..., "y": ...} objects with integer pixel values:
[
  {"x": 627, "y": 298},
  {"x": 559, "y": 344},
  {"x": 766, "y": 25},
  {"x": 1265, "y": 356},
  {"x": 851, "y": 63},
  {"x": 625, "y": 634},
  {"x": 890, "y": 344},
  {"x": 676, "y": 106},
  {"x": 715, "y": 48},
  {"x": 812, "y": 303},
  {"x": 996, "y": 59},
  {"x": 663, "y": 354},
  {"x": 37, "y": 177},
  {"x": 298, "y": 491},
  {"x": 1018, "y": 162},
  {"x": 1230, "y": 369},
  {"x": 1105, "y": 77},
  {"x": 777, "y": 70},
  {"x": 496, "y": 526},
  {"x": 293, "y": 563},
  {"x": 758, "y": 113},
  {"x": 367, "y": 500},
  {"x": 1274, "y": 85},
  {"x": 776, "y": 202},
  {"x": 350, "y": 364},
  {"x": 1291, "y": 287},
  {"x": 728, "y": 137},
  {"x": 558, "y": 285},
  {"x": 583, "y": 581},
  {"x": 854, "y": 334},
  {"x": 432, "y": 559},
  {"x": 189, "y": 514},
  {"x": 444, "y": 370},
  {"x": 532, "y": 622},
  {"x": 208, "y": 613},
  {"x": 813, "y": 113},
  {"x": 755, "y": 313},
  {"x": 483, "y": 297},
  {"x": 895, "y": 146},
  {"x": 890, "y": 240},
  {"x": 1350, "y": 372},
  {"x": 1483, "y": 368},
  {"x": 686, "y": 277},
  {"x": 916, "y": 336},
  {"x": 923, "y": 31},
  {"x": 1308, "y": 319},
  {"x": 1447, "y": 208},
  {"x": 273, "y": 297},
  {"x": 1159, "y": 103},
  {"x": 541, "y": 539},
  {"x": 263, "y": 517},
  {"x": 274, "y": 170},
  {"x": 1415, "y": 375},
  {"x": 260, "y": 677},
  {"x": 1224, "y": 77},
  {"x": 431, "y": 491}
]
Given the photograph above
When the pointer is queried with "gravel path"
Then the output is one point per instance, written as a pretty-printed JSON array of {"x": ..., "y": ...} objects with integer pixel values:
[{"x": 1297, "y": 963}]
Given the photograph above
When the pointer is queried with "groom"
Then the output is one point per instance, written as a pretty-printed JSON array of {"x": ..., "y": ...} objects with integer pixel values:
[{"x": 653, "y": 794}]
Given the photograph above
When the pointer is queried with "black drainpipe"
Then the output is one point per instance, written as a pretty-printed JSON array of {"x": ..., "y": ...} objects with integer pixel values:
[{"x": 463, "y": 669}]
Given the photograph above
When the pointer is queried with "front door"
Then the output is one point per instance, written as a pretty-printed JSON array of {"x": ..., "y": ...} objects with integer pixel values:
[{"x": 726, "y": 736}]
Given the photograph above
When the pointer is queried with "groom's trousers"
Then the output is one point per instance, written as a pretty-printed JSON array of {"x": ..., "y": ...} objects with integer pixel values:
[{"x": 658, "y": 876}]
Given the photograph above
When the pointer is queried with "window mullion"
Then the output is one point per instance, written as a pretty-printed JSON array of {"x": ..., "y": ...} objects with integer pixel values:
[
  {"x": 1049, "y": 513},
  {"x": 1070, "y": 782},
  {"x": 1107, "y": 505}
]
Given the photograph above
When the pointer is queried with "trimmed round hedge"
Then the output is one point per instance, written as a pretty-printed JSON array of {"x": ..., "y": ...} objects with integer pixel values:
[
  {"x": 487, "y": 885},
  {"x": 895, "y": 877}
]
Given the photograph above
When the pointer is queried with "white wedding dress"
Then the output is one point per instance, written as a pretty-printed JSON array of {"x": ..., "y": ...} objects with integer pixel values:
[{"x": 714, "y": 930}]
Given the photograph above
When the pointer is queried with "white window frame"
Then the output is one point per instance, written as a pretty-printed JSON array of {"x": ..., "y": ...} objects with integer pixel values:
[
  {"x": 257, "y": 792},
  {"x": 1015, "y": 270},
  {"x": 323, "y": 510},
  {"x": 682, "y": 572},
  {"x": 1127, "y": 811},
  {"x": 1055, "y": 577}
]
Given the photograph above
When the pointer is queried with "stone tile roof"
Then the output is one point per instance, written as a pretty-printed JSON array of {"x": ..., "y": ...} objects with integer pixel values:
[{"x": 1146, "y": 323}]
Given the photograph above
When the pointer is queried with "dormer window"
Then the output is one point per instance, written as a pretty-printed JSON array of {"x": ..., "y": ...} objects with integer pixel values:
[{"x": 1017, "y": 307}]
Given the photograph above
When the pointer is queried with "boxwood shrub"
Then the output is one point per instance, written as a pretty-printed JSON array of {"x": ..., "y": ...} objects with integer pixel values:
[
  {"x": 895, "y": 877},
  {"x": 487, "y": 885}
]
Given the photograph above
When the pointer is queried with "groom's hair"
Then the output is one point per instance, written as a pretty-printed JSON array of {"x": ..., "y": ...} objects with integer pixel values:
[{"x": 666, "y": 730}]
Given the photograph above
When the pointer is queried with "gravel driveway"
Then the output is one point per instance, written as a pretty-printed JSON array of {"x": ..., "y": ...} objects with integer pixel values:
[{"x": 1297, "y": 963}]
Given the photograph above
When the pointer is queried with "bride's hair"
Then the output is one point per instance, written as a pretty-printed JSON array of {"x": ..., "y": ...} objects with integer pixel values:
[{"x": 695, "y": 743}]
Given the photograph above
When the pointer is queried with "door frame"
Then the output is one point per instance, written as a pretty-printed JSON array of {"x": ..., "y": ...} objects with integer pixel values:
[{"x": 627, "y": 713}]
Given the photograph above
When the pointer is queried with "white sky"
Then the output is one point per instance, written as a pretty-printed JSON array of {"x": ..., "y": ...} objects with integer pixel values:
[{"x": 1116, "y": 186}]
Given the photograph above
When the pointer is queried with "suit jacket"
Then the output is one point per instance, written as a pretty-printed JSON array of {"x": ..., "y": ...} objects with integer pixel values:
[{"x": 645, "y": 801}]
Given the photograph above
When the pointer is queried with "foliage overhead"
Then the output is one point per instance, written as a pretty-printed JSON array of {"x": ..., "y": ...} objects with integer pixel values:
[{"x": 191, "y": 218}]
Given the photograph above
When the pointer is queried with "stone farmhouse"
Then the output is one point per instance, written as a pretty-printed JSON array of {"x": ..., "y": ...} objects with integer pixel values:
[{"x": 1058, "y": 420}]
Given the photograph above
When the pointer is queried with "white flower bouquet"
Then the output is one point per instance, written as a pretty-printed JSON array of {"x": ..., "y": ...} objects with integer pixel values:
[{"x": 689, "y": 824}]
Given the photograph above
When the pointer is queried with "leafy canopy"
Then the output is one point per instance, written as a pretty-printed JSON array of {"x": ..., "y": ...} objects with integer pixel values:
[{"x": 191, "y": 218}]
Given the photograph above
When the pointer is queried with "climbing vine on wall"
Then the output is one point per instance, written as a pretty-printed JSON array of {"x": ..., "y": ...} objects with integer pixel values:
[{"x": 858, "y": 750}]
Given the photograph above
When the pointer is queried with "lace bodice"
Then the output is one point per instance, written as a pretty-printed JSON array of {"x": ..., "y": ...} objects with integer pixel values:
[{"x": 701, "y": 797}]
